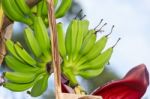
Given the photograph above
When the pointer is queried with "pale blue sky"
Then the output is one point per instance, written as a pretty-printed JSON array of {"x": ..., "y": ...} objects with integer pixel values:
[{"x": 132, "y": 21}]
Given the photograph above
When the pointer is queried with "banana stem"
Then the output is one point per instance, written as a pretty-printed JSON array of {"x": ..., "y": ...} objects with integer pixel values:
[
  {"x": 79, "y": 90},
  {"x": 54, "y": 44}
]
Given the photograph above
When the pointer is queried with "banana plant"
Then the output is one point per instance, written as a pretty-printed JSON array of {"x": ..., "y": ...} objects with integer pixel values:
[{"x": 82, "y": 54}]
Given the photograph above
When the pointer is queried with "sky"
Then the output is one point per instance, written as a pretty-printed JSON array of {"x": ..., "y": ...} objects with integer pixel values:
[{"x": 132, "y": 20}]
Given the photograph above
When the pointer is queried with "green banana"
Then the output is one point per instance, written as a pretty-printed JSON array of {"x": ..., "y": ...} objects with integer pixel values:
[
  {"x": 68, "y": 39},
  {"x": 40, "y": 86},
  {"x": 10, "y": 47},
  {"x": 18, "y": 66},
  {"x": 61, "y": 40},
  {"x": 17, "y": 77},
  {"x": 85, "y": 27},
  {"x": 63, "y": 8},
  {"x": 82, "y": 28},
  {"x": 32, "y": 42},
  {"x": 96, "y": 66},
  {"x": 24, "y": 7},
  {"x": 44, "y": 9},
  {"x": 17, "y": 87},
  {"x": 74, "y": 34},
  {"x": 41, "y": 34},
  {"x": 13, "y": 12},
  {"x": 88, "y": 42},
  {"x": 39, "y": 8},
  {"x": 24, "y": 54},
  {"x": 90, "y": 73},
  {"x": 95, "y": 51},
  {"x": 99, "y": 62}
]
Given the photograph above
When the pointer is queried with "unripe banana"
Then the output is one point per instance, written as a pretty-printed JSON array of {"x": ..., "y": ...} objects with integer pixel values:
[
  {"x": 99, "y": 62},
  {"x": 61, "y": 40},
  {"x": 40, "y": 86},
  {"x": 95, "y": 51},
  {"x": 44, "y": 9},
  {"x": 96, "y": 66},
  {"x": 32, "y": 42},
  {"x": 68, "y": 40},
  {"x": 24, "y": 54},
  {"x": 17, "y": 87},
  {"x": 63, "y": 8},
  {"x": 88, "y": 42},
  {"x": 18, "y": 66},
  {"x": 41, "y": 34},
  {"x": 74, "y": 34},
  {"x": 85, "y": 27},
  {"x": 39, "y": 8},
  {"x": 24, "y": 7},
  {"x": 82, "y": 28},
  {"x": 10, "y": 47},
  {"x": 13, "y": 12},
  {"x": 90, "y": 73},
  {"x": 21, "y": 78}
]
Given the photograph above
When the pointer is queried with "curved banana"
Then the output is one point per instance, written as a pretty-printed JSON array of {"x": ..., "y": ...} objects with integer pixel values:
[
  {"x": 24, "y": 7},
  {"x": 63, "y": 8},
  {"x": 17, "y": 87},
  {"x": 10, "y": 47},
  {"x": 40, "y": 86},
  {"x": 32, "y": 42},
  {"x": 88, "y": 42},
  {"x": 24, "y": 54},
  {"x": 83, "y": 28},
  {"x": 17, "y": 77},
  {"x": 13, "y": 12},
  {"x": 99, "y": 62},
  {"x": 68, "y": 39},
  {"x": 44, "y": 9},
  {"x": 18, "y": 66},
  {"x": 95, "y": 51},
  {"x": 39, "y": 8},
  {"x": 74, "y": 35},
  {"x": 90, "y": 73},
  {"x": 61, "y": 40},
  {"x": 41, "y": 34}
]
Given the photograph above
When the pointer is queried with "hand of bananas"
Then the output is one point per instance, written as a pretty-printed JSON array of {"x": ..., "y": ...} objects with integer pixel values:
[
  {"x": 18, "y": 10},
  {"x": 29, "y": 71},
  {"x": 82, "y": 54}
]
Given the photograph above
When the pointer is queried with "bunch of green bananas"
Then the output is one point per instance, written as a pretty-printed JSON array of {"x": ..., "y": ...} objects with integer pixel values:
[
  {"x": 29, "y": 71},
  {"x": 81, "y": 53},
  {"x": 18, "y": 10}
]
